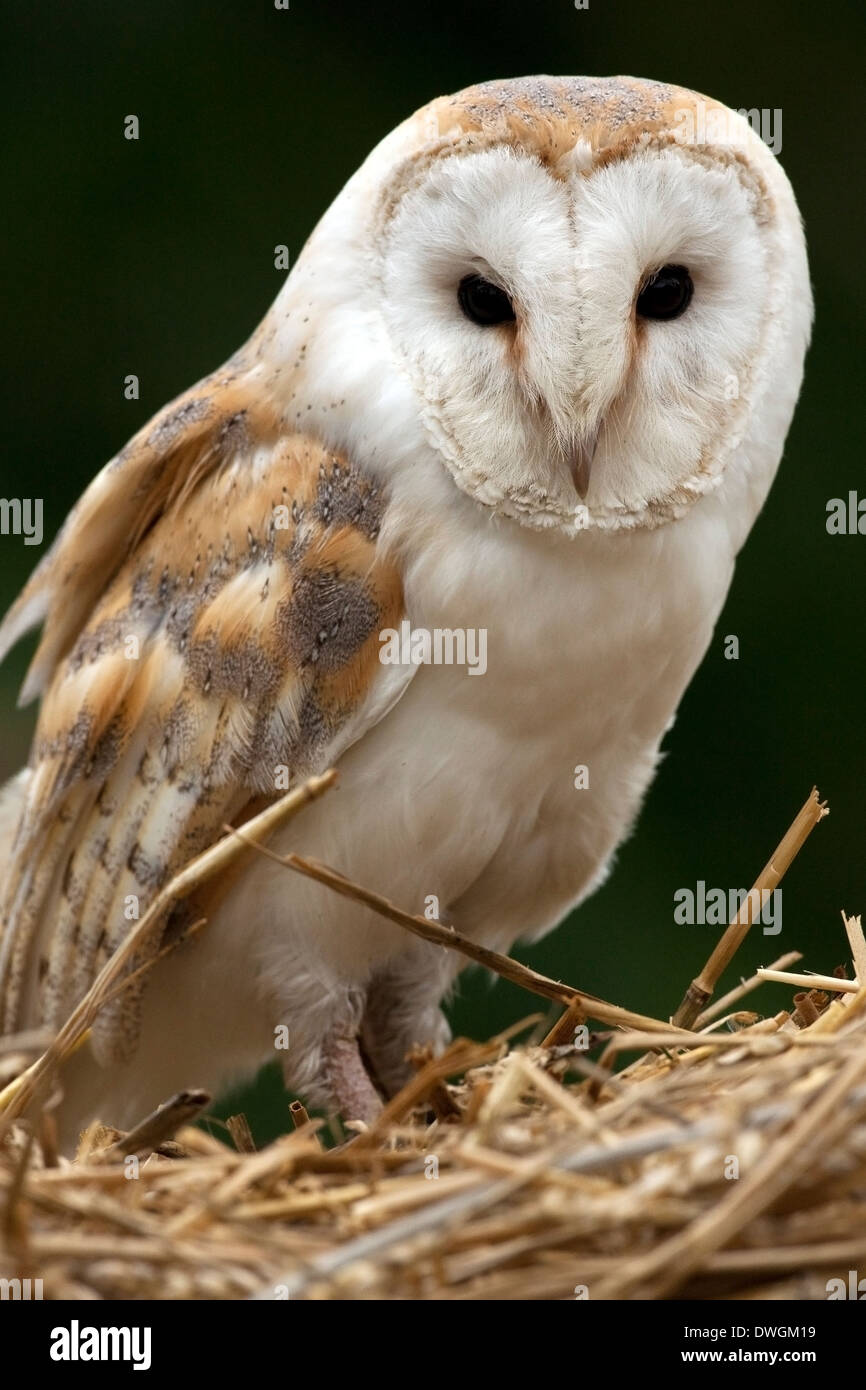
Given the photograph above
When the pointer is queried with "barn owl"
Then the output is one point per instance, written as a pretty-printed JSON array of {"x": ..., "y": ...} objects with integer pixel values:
[{"x": 531, "y": 376}]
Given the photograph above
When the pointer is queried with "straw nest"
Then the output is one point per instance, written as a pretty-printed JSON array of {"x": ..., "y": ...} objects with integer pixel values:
[{"x": 721, "y": 1159}]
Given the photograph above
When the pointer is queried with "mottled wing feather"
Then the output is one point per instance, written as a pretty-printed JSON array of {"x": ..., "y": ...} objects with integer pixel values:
[
  {"x": 211, "y": 636},
  {"x": 182, "y": 445}
]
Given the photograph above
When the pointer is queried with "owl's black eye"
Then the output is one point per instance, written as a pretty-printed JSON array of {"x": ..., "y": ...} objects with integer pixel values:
[
  {"x": 483, "y": 302},
  {"x": 667, "y": 295}
]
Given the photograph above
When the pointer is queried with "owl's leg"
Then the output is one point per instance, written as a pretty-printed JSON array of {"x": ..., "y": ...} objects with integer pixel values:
[
  {"x": 402, "y": 1010},
  {"x": 321, "y": 1059},
  {"x": 347, "y": 1079}
]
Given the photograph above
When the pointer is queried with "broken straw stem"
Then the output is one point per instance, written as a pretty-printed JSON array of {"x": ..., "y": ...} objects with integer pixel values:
[
  {"x": 785, "y": 977},
  {"x": 745, "y": 987},
  {"x": 161, "y": 1125},
  {"x": 702, "y": 987}
]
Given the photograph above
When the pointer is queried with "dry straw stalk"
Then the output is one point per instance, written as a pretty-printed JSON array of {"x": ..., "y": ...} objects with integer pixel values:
[{"x": 718, "y": 1164}]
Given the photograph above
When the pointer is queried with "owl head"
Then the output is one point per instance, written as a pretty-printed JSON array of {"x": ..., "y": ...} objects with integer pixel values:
[{"x": 583, "y": 300}]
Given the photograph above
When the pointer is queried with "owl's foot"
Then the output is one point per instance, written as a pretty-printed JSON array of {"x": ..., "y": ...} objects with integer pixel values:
[{"x": 354, "y": 1094}]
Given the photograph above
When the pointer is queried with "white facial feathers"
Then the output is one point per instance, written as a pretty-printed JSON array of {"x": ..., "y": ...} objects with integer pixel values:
[
  {"x": 568, "y": 204},
  {"x": 505, "y": 403}
]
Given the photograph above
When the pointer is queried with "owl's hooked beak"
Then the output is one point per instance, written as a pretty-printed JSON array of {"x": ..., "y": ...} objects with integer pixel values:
[{"x": 579, "y": 455}]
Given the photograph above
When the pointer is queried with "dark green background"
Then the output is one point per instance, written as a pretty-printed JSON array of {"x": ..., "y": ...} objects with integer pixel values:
[{"x": 156, "y": 257}]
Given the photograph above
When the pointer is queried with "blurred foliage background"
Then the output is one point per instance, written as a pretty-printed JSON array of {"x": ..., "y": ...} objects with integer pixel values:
[{"x": 156, "y": 257}]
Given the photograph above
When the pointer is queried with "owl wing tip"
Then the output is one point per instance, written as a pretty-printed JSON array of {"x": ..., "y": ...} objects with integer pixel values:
[{"x": 26, "y": 613}]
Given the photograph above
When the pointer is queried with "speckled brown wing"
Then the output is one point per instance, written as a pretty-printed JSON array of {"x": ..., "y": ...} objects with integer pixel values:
[{"x": 212, "y": 610}]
